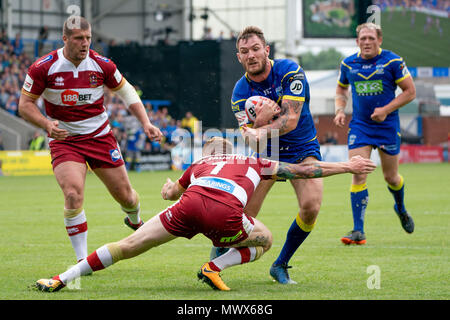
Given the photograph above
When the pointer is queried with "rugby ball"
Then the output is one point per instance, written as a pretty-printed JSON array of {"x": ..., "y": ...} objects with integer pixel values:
[{"x": 250, "y": 104}]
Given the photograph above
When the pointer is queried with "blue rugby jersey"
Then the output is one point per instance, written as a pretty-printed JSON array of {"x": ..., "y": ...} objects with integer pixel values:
[
  {"x": 286, "y": 80},
  {"x": 373, "y": 82}
]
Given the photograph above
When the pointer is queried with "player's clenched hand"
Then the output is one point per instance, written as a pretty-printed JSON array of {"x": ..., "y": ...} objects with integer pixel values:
[
  {"x": 266, "y": 109},
  {"x": 152, "y": 132},
  {"x": 166, "y": 189},
  {"x": 360, "y": 165},
  {"x": 378, "y": 115},
  {"x": 250, "y": 134},
  {"x": 255, "y": 138},
  {"x": 339, "y": 119},
  {"x": 55, "y": 132}
]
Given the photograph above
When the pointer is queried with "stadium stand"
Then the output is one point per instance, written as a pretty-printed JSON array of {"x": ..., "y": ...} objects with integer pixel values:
[{"x": 14, "y": 63}]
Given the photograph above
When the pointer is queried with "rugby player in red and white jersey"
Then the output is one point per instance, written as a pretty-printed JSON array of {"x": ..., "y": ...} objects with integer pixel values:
[
  {"x": 211, "y": 194},
  {"x": 71, "y": 81}
]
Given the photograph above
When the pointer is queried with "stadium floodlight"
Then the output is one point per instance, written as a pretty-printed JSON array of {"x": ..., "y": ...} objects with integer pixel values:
[{"x": 159, "y": 16}]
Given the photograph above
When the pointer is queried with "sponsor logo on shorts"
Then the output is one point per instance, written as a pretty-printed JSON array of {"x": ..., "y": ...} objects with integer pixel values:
[
  {"x": 115, "y": 155},
  {"x": 351, "y": 139},
  {"x": 231, "y": 239},
  {"x": 389, "y": 147}
]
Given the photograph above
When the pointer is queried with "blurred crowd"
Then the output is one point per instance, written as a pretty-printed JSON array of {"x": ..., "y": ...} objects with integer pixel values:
[
  {"x": 129, "y": 133},
  {"x": 14, "y": 63}
]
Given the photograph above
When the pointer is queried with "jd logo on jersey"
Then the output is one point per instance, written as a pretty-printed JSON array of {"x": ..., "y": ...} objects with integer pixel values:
[
  {"x": 296, "y": 87},
  {"x": 369, "y": 88},
  {"x": 71, "y": 97}
]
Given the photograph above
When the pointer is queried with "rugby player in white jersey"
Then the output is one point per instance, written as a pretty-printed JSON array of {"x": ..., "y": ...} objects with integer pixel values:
[{"x": 71, "y": 81}]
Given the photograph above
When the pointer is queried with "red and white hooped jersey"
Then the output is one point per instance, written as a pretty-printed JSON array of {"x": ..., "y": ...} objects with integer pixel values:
[
  {"x": 74, "y": 95},
  {"x": 227, "y": 178}
]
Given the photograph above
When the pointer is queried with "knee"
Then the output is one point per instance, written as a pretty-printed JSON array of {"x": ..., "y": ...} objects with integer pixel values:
[
  {"x": 73, "y": 198},
  {"x": 392, "y": 180},
  {"x": 128, "y": 197},
  {"x": 359, "y": 179},
  {"x": 268, "y": 244},
  {"x": 309, "y": 212}
]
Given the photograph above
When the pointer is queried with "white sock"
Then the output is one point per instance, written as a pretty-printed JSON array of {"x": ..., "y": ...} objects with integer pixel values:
[
  {"x": 134, "y": 216},
  {"x": 236, "y": 256},
  {"x": 133, "y": 213},
  {"x": 80, "y": 269},
  {"x": 98, "y": 260},
  {"x": 77, "y": 230}
]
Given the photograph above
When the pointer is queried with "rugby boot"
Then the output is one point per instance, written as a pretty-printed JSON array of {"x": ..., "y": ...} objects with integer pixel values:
[
  {"x": 212, "y": 278},
  {"x": 280, "y": 273},
  {"x": 131, "y": 225},
  {"x": 354, "y": 237},
  {"x": 49, "y": 285},
  {"x": 405, "y": 219}
]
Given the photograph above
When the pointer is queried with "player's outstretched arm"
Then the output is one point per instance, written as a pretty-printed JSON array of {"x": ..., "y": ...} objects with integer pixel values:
[
  {"x": 133, "y": 102},
  {"x": 318, "y": 169},
  {"x": 153, "y": 132},
  {"x": 171, "y": 190}
]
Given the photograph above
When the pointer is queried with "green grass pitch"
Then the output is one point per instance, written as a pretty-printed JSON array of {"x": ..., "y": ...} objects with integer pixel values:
[{"x": 34, "y": 244}]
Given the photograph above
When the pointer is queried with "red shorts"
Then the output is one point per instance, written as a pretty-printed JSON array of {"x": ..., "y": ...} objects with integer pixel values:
[
  {"x": 195, "y": 213},
  {"x": 99, "y": 152}
]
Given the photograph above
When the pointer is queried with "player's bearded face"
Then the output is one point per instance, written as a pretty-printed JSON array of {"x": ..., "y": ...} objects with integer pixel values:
[
  {"x": 369, "y": 43},
  {"x": 253, "y": 55},
  {"x": 77, "y": 44}
]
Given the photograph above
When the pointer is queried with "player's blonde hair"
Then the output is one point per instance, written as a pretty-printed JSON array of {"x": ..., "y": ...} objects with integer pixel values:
[
  {"x": 217, "y": 145},
  {"x": 248, "y": 32},
  {"x": 371, "y": 26}
]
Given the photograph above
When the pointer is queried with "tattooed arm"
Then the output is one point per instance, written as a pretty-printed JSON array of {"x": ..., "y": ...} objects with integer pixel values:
[
  {"x": 318, "y": 169},
  {"x": 287, "y": 120}
]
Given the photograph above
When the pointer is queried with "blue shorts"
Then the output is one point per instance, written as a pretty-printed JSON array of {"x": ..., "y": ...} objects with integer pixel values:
[
  {"x": 387, "y": 139},
  {"x": 298, "y": 153}
]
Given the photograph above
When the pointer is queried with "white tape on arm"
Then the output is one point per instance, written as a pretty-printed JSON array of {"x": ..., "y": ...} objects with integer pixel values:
[{"x": 128, "y": 94}]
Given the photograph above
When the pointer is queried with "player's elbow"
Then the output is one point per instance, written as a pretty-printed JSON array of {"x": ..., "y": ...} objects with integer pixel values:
[
  {"x": 22, "y": 106},
  {"x": 291, "y": 124},
  {"x": 411, "y": 93}
]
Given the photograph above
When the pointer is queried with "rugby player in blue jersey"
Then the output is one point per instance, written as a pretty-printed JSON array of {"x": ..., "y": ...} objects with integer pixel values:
[
  {"x": 374, "y": 74},
  {"x": 286, "y": 115}
]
